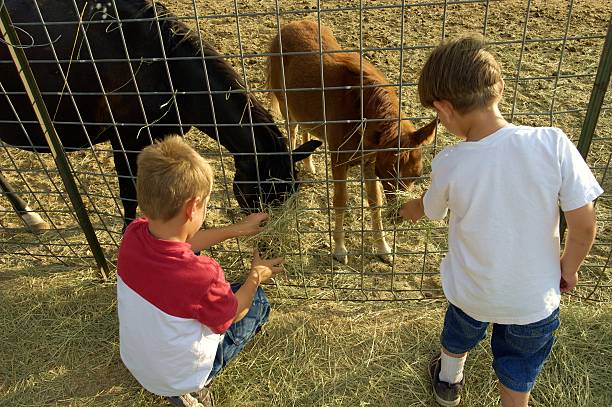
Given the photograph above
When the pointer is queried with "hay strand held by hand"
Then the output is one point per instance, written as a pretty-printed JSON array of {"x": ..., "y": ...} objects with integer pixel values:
[
  {"x": 394, "y": 205},
  {"x": 281, "y": 236}
]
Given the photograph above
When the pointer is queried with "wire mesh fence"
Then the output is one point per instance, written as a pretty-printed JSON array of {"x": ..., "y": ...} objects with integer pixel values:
[{"x": 115, "y": 75}]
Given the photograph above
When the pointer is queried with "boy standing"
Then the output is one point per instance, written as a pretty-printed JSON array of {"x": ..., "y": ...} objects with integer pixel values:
[
  {"x": 503, "y": 187},
  {"x": 180, "y": 321}
]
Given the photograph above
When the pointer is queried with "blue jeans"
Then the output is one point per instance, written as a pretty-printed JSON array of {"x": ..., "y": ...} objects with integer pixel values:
[
  {"x": 241, "y": 332},
  {"x": 519, "y": 351}
]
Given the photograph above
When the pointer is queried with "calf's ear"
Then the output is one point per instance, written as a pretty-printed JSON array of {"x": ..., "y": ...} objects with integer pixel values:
[{"x": 424, "y": 135}]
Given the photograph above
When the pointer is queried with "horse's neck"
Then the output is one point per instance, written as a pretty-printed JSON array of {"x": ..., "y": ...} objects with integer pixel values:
[
  {"x": 232, "y": 112},
  {"x": 383, "y": 105},
  {"x": 235, "y": 124},
  {"x": 236, "y": 132}
]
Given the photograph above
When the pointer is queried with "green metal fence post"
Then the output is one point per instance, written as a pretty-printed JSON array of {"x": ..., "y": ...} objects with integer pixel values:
[
  {"x": 602, "y": 79},
  {"x": 597, "y": 95},
  {"x": 7, "y": 30}
]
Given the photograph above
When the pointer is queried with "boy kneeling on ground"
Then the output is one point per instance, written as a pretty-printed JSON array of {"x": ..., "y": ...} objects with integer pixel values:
[{"x": 180, "y": 321}]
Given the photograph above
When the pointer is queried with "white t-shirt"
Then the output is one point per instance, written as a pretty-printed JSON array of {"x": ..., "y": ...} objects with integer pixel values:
[{"x": 503, "y": 193}]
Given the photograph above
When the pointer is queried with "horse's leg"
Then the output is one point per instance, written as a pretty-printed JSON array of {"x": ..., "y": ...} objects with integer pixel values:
[
  {"x": 293, "y": 132},
  {"x": 375, "y": 200},
  {"x": 32, "y": 220},
  {"x": 339, "y": 173},
  {"x": 126, "y": 166},
  {"x": 292, "y": 128},
  {"x": 307, "y": 162}
]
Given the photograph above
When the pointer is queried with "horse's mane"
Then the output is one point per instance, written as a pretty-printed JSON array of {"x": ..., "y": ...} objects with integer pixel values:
[
  {"x": 380, "y": 101},
  {"x": 179, "y": 39}
]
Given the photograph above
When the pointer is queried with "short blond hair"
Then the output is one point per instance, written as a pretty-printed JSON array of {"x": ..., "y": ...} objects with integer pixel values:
[
  {"x": 463, "y": 72},
  {"x": 170, "y": 173}
]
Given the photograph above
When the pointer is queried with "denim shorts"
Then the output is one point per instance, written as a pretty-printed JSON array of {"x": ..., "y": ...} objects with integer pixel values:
[
  {"x": 519, "y": 351},
  {"x": 241, "y": 332}
]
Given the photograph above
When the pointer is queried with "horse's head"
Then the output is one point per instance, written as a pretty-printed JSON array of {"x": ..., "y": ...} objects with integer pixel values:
[
  {"x": 270, "y": 179},
  {"x": 409, "y": 161}
]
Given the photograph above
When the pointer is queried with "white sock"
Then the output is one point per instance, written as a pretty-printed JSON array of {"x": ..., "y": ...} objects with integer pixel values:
[{"x": 451, "y": 370}]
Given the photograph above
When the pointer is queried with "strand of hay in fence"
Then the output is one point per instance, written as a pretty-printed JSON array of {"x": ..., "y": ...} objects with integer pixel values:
[
  {"x": 276, "y": 236},
  {"x": 281, "y": 237}
]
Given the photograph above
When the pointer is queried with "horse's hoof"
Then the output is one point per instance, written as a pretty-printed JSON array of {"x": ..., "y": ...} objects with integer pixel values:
[
  {"x": 341, "y": 258},
  {"x": 385, "y": 258},
  {"x": 39, "y": 227}
]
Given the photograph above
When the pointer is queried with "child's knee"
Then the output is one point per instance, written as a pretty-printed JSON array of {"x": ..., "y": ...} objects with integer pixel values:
[
  {"x": 262, "y": 305},
  {"x": 260, "y": 296}
]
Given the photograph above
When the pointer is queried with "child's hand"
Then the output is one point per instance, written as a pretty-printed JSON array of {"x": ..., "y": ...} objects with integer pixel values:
[
  {"x": 263, "y": 269},
  {"x": 250, "y": 225},
  {"x": 412, "y": 210},
  {"x": 568, "y": 280}
]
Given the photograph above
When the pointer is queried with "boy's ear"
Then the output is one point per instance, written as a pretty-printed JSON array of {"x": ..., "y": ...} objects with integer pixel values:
[
  {"x": 445, "y": 109},
  {"x": 191, "y": 207}
]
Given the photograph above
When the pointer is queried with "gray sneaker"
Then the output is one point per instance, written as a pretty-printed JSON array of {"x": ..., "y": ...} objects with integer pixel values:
[
  {"x": 205, "y": 397},
  {"x": 447, "y": 395},
  {"x": 186, "y": 400}
]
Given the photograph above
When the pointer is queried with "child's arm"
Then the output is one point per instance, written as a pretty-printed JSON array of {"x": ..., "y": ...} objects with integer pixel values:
[
  {"x": 205, "y": 238},
  {"x": 581, "y": 229},
  {"x": 261, "y": 271},
  {"x": 413, "y": 210}
]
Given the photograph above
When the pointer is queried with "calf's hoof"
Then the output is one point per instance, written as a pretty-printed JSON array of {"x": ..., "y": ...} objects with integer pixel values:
[
  {"x": 39, "y": 227},
  {"x": 341, "y": 258},
  {"x": 34, "y": 223}
]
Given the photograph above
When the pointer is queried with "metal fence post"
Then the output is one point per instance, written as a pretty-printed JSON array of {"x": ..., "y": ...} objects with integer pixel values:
[
  {"x": 602, "y": 79},
  {"x": 55, "y": 145},
  {"x": 597, "y": 95}
]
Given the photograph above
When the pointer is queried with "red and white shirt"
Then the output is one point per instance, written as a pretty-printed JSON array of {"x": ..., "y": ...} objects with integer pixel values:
[{"x": 173, "y": 307}]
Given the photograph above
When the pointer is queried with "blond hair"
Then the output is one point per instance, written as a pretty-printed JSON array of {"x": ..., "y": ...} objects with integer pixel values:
[
  {"x": 170, "y": 173},
  {"x": 463, "y": 72}
]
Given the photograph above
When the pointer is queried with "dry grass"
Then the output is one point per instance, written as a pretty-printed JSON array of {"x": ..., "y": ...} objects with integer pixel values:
[
  {"x": 59, "y": 347},
  {"x": 306, "y": 232}
]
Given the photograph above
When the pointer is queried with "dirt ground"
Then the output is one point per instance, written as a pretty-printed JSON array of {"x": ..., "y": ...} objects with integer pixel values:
[
  {"x": 377, "y": 29},
  {"x": 553, "y": 72}
]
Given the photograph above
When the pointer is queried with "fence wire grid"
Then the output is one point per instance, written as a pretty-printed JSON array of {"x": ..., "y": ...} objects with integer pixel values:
[{"x": 549, "y": 50}]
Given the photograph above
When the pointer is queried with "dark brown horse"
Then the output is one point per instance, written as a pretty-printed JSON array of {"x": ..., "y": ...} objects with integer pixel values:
[
  {"x": 382, "y": 143},
  {"x": 128, "y": 72}
]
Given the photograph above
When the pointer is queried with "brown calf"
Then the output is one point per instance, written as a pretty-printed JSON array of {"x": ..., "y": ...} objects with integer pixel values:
[{"x": 373, "y": 143}]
